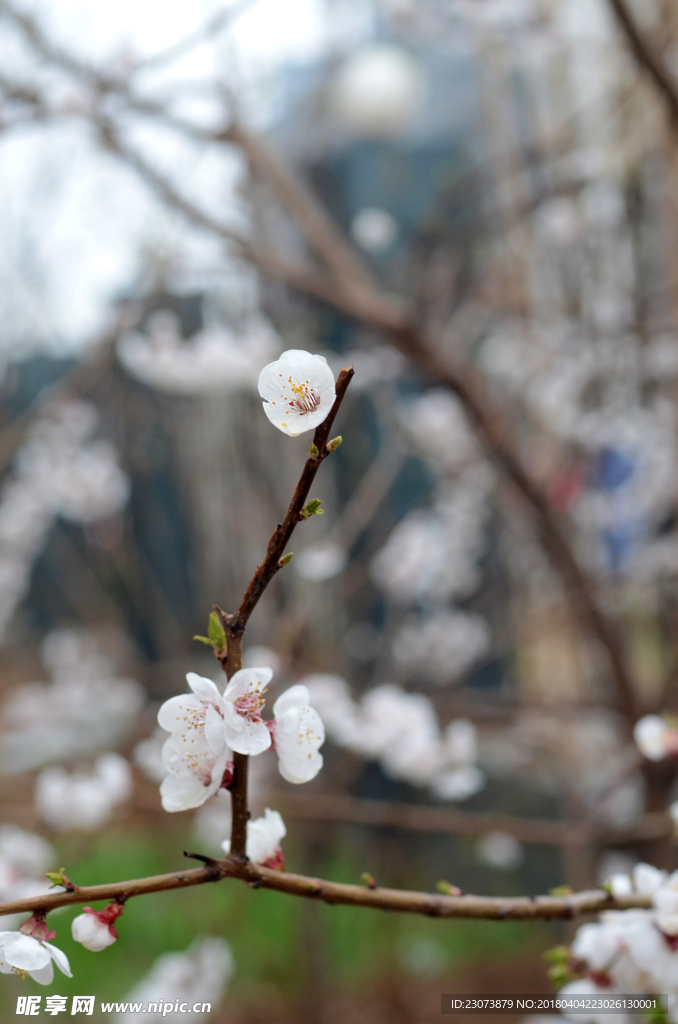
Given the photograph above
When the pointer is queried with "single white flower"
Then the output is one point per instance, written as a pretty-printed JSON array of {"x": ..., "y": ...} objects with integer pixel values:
[
  {"x": 655, "y": 738},
  {"x": 196, "y": 753},
  {"x": 298, "y": 391},
  {"x": 263, "y": 840},
  {"x": 95, "y": 929},
  {"x": 192, "y": 718},
  {"x": 195, "y": 773},
  {"x": 246, "y": 731},
  {"x": 28, "y": 952},
  {"x": 299, "y": 732}
]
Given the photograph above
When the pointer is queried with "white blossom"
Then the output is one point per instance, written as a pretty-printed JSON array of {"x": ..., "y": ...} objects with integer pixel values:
[
  {"x": 28, "y": 952},
  {"x": 246, "y": 731},
  {"x": 216, "y": 359},
  {"x": 58, "y": 471},
  {"x": 441, "y": 646},
  {"x": 200, "y": 974},
  {"x": 401, "y": 731},
  {"x": 264, "y": 836},
  {"x": 437, "y": 423},
  {"x": 86, "y": 707},
  {"x": 91, "y": 932},
  {"x": 95, "y": 929},
  {"x": 321, "y": 561},
  {"x": 298, "y": 391},
  {"x": 196, "y": 752},
  {"x": 634, "y": 951},
  {"x": 83, "y": 800},
  {"x": 433, "y": 554},
  {"x": 500, "y": 850},
  {"x": 24, "y": 858},
  {"x": 299, "y": 732},
  {"x": 655, "y": 738}
]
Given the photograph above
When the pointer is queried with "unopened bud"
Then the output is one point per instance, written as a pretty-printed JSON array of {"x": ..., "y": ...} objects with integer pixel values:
[
  {"x": 334, "y": 443},
  {"x": 557, "y": 955},
  {"x": 559, "y": 976},
  {"x": 286, "y": 559},
  {"x": 312, "y": 509},
  {"x": 368, "y": 880},
  {"x": 216, "y": 633},
  {"x": 313, "y": 451},
  {"x": 447, "y": 889},
  {"x": 60, "y": 878}
]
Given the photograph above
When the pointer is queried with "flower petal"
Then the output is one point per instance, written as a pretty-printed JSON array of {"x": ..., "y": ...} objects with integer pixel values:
[
  {"x": 247, "y": 680},
  {"x": 179, "y": 712},
  {"x": 59, "y": 958},
  {"x": 182, "y": 794},
  {"x": 254, "y": 738},
  {"x": 45, "y": 975},
  {"x": 296, "y": 696},
  {"x": 25, "y": 953},
  {"x": 214, "y": 730},
  {"x": 203, "y": 688},
  {"x": 301, "y": 771}
]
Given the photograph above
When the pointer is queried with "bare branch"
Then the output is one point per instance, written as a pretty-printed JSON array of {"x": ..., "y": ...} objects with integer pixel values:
[
  {"x": 648, "y": 58},
  {"x": 429, "y": 904}
]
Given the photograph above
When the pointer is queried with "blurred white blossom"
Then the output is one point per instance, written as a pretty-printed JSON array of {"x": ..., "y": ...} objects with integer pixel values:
[
  {"x": 58, "y": 471},
  {"x": 198, "y": 975},
  {"x": 440, "y": 647},
  {"x": 656, "y": 738},
  {"x": 500, "y": 850},
  {"x": 213, "y": 360},
  {"x": 81, "y": 800},
  {"x": 401, "y": 731},
  {"x": 85, "y": 707}
]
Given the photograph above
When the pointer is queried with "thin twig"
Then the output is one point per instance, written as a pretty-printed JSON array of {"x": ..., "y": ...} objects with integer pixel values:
[
  {"x": 236, "y": 623},
  {"x": 647, "y": 57}
]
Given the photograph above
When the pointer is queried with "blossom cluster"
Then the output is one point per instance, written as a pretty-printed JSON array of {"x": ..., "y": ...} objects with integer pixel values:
[
  {"x": 83, "y": 800},
  {"x": 85, "y": 708},
  {"x": 58, "y": 471},
  {"x": 631, "y": 951},
  {"x": 401, "y": 731},
  {"x": 24, "y": 858},
  {"x": 213, "y": 360},
  {"x": 431, "y": 559},
  {"x": 206, "y": 727}
]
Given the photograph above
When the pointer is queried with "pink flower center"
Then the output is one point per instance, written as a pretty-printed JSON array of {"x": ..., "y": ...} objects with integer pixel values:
[
  {"x": 249, "y": 706},
  {"x": 277, "y": 861},
  {"x": 305, "y": 398}
]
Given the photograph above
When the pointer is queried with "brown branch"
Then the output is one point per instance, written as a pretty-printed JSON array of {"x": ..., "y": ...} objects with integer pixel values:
[
  {"x": 432, "y": 905},
  {"x": 648, "y": 58},
  {"x": 368, "y": 306},
  {"x": 235, "y": 624},
  {"x": 313, "y": 220}
]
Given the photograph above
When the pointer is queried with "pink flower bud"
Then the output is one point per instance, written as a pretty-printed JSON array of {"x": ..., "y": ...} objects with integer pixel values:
[{"x": 95, "y": 929}]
